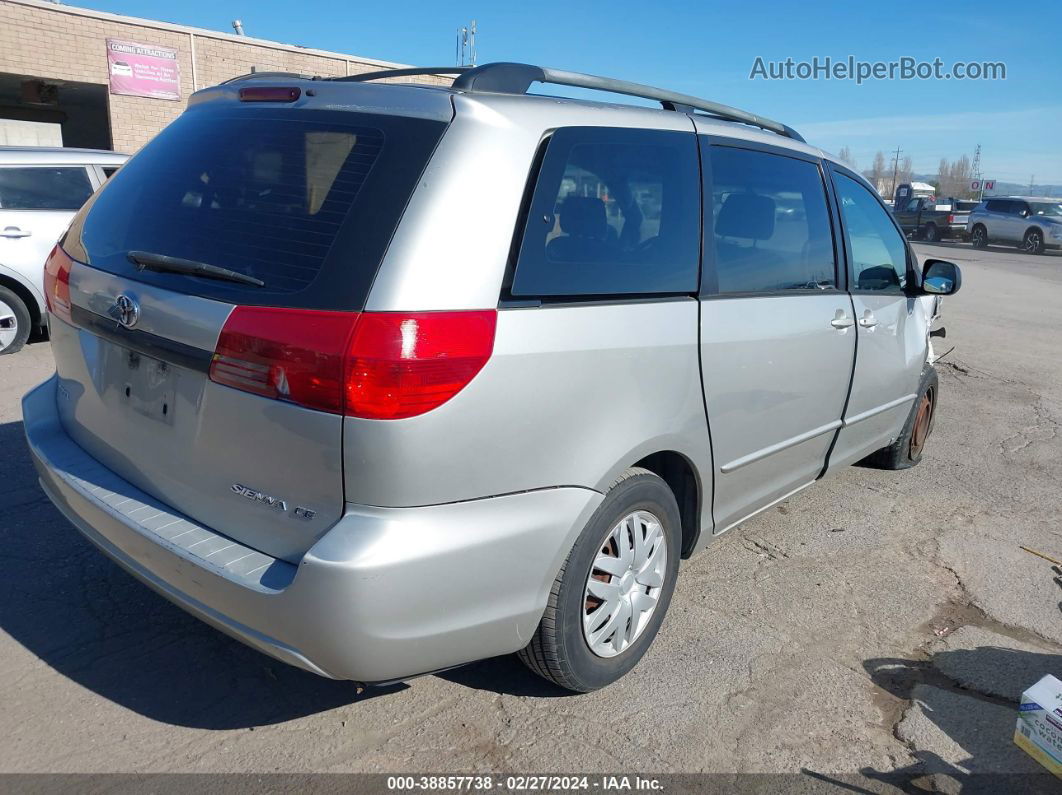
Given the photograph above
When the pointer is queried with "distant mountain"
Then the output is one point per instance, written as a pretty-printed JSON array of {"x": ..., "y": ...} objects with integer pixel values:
[{"x": 1007, "y": 188}]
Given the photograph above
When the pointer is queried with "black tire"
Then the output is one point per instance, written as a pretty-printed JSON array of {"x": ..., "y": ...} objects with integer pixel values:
[
  {"x": 979, "y": 237},
  {"x": 931, "y": 234},
  {"x": 19, "y": 319},
  {"x": 559, "y": 650},
  {"x": 1033, "y": 242},
  {"x": 909, "y": 446}
]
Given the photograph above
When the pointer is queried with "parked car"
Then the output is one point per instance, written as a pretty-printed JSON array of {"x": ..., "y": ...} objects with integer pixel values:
[
  {"x": 930, "y": 219},
  {"x": 40, "y": 190},
  {"x": 377, "y": 424},
  {"x": 1033, "y": 224}
]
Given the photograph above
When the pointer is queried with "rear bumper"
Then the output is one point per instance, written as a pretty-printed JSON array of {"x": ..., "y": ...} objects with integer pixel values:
[{"x": 387, "y": 593}]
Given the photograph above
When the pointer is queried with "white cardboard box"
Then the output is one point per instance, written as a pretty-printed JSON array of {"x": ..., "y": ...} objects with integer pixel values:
[{"x": 1039, "y": 730}]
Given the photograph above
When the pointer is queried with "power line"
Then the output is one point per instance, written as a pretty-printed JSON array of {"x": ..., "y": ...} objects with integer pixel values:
[{"x": 895, "y": 168}]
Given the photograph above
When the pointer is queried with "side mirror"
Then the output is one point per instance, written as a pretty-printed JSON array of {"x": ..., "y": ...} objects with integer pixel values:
[{"x": 941, "y": 278}]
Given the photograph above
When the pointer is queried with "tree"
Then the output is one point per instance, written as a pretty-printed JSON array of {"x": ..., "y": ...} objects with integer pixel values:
[
  {"x": 944, "y": 187},
  {"x": 905, "y": 171},
  {"x": 846, "y": 157},
  {"x": 877, "y": 171},
  {"x": 959, "y": 176}
]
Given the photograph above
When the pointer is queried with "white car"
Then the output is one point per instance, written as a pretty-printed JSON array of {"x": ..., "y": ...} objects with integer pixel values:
[{"x": 40, "y": 190}]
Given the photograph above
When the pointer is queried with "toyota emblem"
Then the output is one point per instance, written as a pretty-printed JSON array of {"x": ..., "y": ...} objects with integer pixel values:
[{"x": 125, "y": 310}]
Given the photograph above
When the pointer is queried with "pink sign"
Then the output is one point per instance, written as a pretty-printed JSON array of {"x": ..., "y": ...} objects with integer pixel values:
[{"x": 143, "y": 70}]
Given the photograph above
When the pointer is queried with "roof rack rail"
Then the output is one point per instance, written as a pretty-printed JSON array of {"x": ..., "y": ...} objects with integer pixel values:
[
  {"x": 267, "y": 76},
  {"x": 410, "y": 72},
  {"x": 516, "y": 78}
]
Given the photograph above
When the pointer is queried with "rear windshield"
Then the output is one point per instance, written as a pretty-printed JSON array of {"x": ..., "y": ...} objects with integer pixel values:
[{"x": 305, "y": 201}]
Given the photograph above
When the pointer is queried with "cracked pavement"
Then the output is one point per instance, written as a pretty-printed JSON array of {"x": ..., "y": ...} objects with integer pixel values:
[{"x": 878, "y": 622}]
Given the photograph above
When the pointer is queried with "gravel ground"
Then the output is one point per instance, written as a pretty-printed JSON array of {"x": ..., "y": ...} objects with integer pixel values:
[{"x": 878, "y": 622}]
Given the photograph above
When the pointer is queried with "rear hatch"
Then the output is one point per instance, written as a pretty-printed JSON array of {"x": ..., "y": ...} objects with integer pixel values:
[{"x": 212, "y": 283}]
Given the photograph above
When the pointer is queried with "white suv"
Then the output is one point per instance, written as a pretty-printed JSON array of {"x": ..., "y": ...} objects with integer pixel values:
[{"x": 40, "y": 190}]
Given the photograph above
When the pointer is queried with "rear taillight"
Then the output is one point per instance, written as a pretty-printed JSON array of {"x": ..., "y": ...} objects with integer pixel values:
[
  {"x": 951, "y": 219},
  {"x": 57, "y": 283},
  {"x": 402, "y": 365},
  {"x": 287, "y": 354},
  {"x": 371, "y": 365}
]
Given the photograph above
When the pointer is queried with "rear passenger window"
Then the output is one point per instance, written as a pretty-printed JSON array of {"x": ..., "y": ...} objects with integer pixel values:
[
  {"x": 614, "y": 211},
  {"x": 771, "y": 224},
  {"x": 44, "y": 188}
]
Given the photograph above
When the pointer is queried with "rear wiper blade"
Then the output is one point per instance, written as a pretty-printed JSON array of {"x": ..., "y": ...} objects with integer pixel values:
[{"x": 145, "y": 260}]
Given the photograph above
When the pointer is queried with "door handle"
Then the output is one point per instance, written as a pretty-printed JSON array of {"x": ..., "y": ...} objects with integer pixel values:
[
  {"x": 841, "y": 320},
  {"x": 14, "y": 231},
  {"x": 868, "y": 320}
]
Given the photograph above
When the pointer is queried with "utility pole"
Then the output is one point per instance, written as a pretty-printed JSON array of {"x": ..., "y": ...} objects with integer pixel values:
[
  {"x": 895, "y": 168},
  {"x": 466, "y": 45},
  {"x": 977, "y": 173},
  {"x": 1032, "y": 181}
]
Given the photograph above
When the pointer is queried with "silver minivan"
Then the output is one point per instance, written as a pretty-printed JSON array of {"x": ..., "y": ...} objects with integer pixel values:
[{"x": 382, "y": 379}]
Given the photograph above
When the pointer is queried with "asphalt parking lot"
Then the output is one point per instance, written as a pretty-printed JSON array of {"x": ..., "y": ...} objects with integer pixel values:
[{"x": 878, "y": 622}]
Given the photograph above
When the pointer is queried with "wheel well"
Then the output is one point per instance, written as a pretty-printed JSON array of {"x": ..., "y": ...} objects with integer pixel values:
[
  {"x": 676, "y": 470},
  {"x": 1033, "y": 228},
  {"x": 27, "y": 297}
]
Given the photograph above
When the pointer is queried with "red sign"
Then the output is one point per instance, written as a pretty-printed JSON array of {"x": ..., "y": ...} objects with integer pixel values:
[{"x": 143, "y": 70}]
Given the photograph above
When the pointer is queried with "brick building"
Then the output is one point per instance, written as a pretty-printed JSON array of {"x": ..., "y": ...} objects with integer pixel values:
[{"x": 58, "y": 78}]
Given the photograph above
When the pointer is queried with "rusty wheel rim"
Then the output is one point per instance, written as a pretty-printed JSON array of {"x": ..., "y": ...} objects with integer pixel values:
[{"x": 923, "y": 421}]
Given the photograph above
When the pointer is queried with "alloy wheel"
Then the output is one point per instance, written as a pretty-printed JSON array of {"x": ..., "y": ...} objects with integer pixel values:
[
  {"x": 624, "y": 584},
  {"x": 8, "y": 325}
]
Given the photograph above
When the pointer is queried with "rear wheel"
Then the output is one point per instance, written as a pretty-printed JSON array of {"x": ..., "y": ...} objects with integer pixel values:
[
  {"x": 907, "y": 450},
  {"x": 14, "y": 322},
  {"x": 614, "y": 589},
  {"x": 931, "y": 233},
  {"x": 979, "y": 237},
  {"x": 1033, "y": 242}
]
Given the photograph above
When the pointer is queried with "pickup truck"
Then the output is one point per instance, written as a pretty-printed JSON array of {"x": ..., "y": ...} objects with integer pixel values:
[{"x": 930, "y": 219}]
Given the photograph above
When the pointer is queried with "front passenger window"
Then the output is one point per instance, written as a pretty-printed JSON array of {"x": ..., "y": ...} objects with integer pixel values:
[{"x": 876, "y": 250}]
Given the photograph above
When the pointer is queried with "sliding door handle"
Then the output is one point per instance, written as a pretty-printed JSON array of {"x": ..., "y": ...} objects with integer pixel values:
[
  {"x": 841, "y": 320},
  {"x": 868, "y": 320}
]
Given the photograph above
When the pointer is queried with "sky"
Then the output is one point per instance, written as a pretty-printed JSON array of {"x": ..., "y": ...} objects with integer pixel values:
[{"x": 709, "y": 48}]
